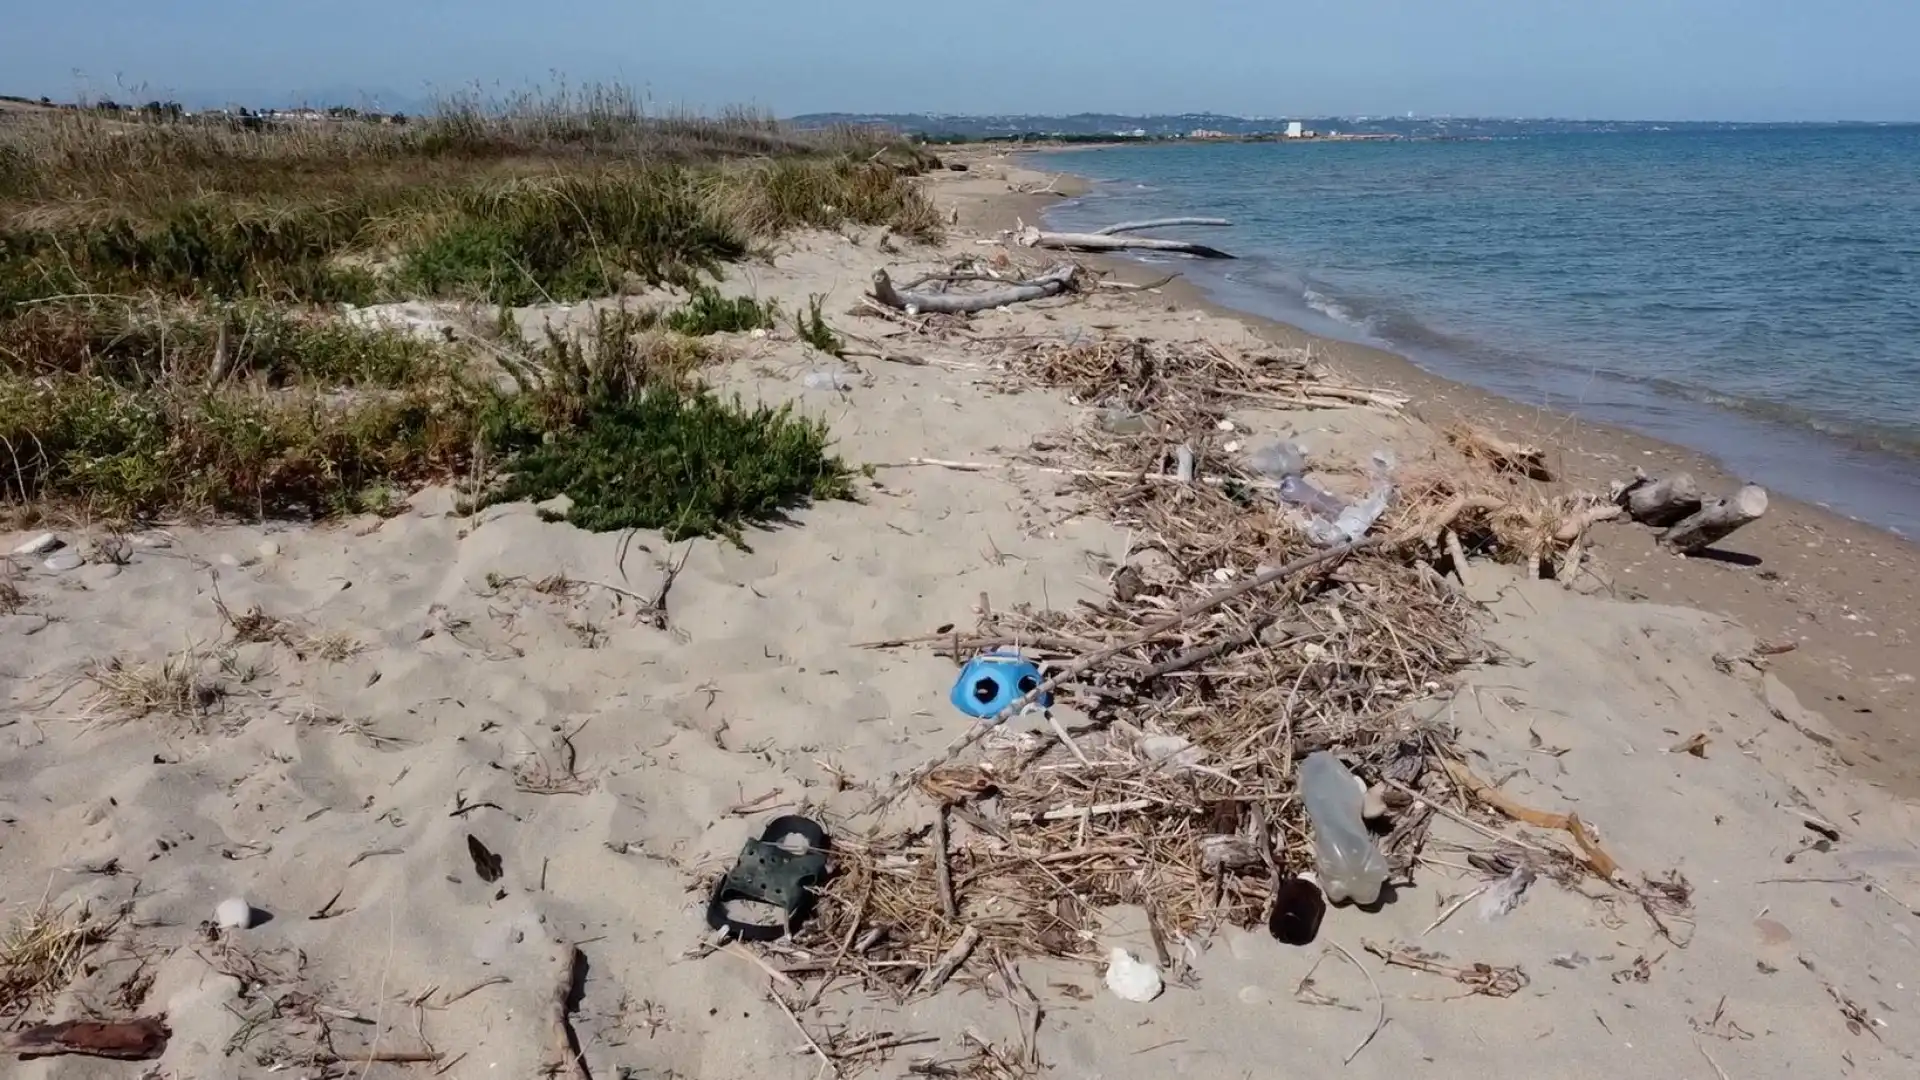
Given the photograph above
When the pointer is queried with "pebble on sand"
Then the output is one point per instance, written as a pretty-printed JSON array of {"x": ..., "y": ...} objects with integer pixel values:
[{"x": 63, "y": 561}]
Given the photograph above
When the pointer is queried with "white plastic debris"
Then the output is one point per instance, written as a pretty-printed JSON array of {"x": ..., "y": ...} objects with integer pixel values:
[
  {"x": 1496, "y": 902},
  {"x": 62, "y": 561},
  {"x": 38, "y": 545},
  {"x": 1278, "y": 460},
  {"x": 234, "y": 913},
  {"x": 826, "y": 380},
  {"x": 1173, "y": 751},
  {"x": 1131, "y": 980}
]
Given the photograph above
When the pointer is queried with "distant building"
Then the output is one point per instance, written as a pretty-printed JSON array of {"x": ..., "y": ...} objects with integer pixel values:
[{"x": 1295, "y": 129}]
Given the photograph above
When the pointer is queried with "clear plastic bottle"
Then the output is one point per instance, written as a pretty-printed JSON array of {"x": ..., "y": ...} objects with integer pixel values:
[
  {"x": 1278, "y": 460},
  {"x": 1311, "y": 497},
  {"x": 1350, "y": 864}
]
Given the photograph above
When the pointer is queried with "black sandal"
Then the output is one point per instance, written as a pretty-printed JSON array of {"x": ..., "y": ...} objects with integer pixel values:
[{"x": 772, "y": 874}]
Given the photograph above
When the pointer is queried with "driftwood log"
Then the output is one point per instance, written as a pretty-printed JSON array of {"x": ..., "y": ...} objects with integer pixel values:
[
  {"x": 1716, "y": 519},
  {"x": 123, "y": 1040},
  {"x": 1055, "y": 281},
  {"x": 1662, "y": 502},
  {"x": 1114, "y": 238}
]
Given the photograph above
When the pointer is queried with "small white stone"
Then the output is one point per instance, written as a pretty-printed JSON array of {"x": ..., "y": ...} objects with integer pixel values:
[
  {"x": 234, "y": 913},
  {"x": 1373, "y": 805},
  {"x": 38, "y": 545},
  {"x": 64, "y": 561},
  {"x": 268, "y": 549},
  {"x": 1131, "y": 980}
]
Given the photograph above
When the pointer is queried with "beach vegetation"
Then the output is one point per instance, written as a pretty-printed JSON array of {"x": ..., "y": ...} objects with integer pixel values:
[
  {"x": 811, "y": 327},
  {"x": 708, "y": 312},
  {"x": 171, "y": 346}
]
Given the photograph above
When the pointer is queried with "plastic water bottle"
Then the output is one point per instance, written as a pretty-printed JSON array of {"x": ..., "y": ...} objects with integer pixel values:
[
  {"x": 1350, "y": 864},
  {"x": 1311, "y": 497},
  {"x": 1278, "y": 460}
]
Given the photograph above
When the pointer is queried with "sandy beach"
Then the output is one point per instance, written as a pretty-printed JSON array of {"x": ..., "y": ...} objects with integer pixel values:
[{"x": 472, "y": 773}]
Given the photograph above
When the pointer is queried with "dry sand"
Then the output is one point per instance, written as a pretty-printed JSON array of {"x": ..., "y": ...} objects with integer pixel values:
[{"x": 422, "y": 689}]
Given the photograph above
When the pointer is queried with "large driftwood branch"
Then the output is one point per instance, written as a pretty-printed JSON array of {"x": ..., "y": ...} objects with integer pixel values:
[
  {"x": 1717, "y": 519},
  {"x": 1663, "y": 502},
  {"x": 1052, "y": 283},
  {"x": 1032, "y": 237},
  {"x": 1159, "y": 223}
]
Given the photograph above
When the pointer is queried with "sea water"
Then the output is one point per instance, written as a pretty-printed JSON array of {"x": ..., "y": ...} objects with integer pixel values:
[{"x": 1754, "y": 294}]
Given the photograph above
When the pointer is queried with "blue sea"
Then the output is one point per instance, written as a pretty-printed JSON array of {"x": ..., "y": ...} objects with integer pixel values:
[{"x": 1754, "y": 294}]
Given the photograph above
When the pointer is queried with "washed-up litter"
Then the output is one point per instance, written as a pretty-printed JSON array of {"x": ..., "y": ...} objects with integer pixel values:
[
  {"x": 993, "y": 681},
  {"x": 775, "y": 871},
  {"x": 1324, "y": 517},
  {"x": 1501, "y": 899},
  {"x": 1298, "y": 907},
  {"x": 1350, "y": 862},
  {"x": 827, "y": 380},
  {"x": 1131, "y": 979},
  {"x": 38, "y": 545}
]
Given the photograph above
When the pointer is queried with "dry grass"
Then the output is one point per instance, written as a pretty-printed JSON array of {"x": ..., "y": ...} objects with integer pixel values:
[
  {"x": 42, "y": 953},
  {"x": 175, "y": 688},
  {"x": 12, "y": 599},
  {"x": 332, "y": 646}
]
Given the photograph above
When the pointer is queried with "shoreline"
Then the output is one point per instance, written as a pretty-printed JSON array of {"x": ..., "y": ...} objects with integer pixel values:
[{"x": 1846, "y": 593}]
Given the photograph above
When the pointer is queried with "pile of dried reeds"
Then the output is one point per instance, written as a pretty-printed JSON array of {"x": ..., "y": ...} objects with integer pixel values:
[{"x": 1178, "y": 797}]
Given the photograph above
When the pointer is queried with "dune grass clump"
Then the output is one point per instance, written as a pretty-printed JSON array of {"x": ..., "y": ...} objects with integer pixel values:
[
  {"x": 811, "y": 327},
  {"x": 708, "y": 312},
  {"x": 173, "y": 689},
  {"x": 566, "y": 238},
  {"x": 148, "y": 344},
  {"x": 42, "y": 952},
  {"x": 126, "y": 453}
]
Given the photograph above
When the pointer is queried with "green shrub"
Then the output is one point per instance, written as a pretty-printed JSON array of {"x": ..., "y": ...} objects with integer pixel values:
[
  {"x": 676, "y": 458},
  {"x": 812, "y": 328},
  {"x": 707, "y": 312}
]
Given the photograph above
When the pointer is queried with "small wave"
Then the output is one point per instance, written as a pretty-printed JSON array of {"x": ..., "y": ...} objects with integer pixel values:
[{"x": 1332, "y": 309}]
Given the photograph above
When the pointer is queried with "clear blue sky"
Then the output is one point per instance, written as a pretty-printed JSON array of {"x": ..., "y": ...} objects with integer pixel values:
[{"x": 1617, "y": 59}]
